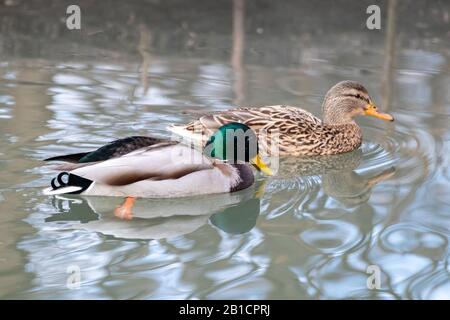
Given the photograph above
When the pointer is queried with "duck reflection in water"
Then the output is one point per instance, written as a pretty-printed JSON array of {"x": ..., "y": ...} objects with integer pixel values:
[
  {"x": 234, "y": 213},
  {"x": 339, "y": 178}
]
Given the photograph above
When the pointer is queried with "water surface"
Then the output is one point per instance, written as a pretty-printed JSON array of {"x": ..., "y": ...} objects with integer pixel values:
[{"x": 309, "y": 232}]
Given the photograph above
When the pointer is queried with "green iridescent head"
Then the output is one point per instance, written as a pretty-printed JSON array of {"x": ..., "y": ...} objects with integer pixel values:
[{"x": 235, "y": 143}]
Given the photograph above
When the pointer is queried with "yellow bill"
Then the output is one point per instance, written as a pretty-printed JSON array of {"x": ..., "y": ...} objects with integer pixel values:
[
  {"x": 260, "y": 165},
  {"x": 371, "y": 110}
]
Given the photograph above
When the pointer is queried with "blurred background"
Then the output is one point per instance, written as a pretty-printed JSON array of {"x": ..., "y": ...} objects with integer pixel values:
[{"x": 135, "y": 67}]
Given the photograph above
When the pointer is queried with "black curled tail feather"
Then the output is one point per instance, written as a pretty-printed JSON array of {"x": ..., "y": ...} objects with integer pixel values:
[{"x": 66, "y": 179}]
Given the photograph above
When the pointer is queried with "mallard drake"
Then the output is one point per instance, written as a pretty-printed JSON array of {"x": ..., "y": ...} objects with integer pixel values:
[
  {"x": 285, "y": 130},
  {"x": 149, "y": 167}
]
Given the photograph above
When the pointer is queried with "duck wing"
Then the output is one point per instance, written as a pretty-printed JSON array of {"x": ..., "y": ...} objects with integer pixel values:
[
  {"x": 163, "y": 161},
  {"x": 279, "y": 117},
  {"x": 111, "y": 150}
]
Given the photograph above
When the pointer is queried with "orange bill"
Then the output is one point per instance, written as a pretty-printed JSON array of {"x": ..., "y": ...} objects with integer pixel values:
[{"x": 371, "y": 110}]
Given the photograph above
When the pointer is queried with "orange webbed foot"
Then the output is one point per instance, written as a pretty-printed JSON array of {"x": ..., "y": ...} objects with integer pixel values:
[{"x": 124, "y": 211}]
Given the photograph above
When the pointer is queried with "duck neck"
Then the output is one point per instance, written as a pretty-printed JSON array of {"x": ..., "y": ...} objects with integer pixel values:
[
  {"x": 246, "y": 177},
  {"x": 330, "y": 119},
  {"x": 335, "y": 111},
  {"x": 344, "y": 137}
]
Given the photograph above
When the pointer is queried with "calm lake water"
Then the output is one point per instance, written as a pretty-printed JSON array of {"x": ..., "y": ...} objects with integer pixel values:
[{"x": 310, "y": 232}]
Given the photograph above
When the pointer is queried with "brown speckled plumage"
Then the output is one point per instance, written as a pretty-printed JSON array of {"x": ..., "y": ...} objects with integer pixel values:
[{"x": 295, "y": 131}]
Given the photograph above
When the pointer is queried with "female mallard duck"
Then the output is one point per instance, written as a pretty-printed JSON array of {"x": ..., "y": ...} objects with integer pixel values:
[
  {"x": 156, "y": 168},
  {"x": 284, "y": 130}
]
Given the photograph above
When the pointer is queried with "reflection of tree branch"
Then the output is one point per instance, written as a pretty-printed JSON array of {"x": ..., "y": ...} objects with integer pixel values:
[
  {"x": 29, "y": 89},
  {"x": 144, "y": 44},
  {"x": 389, "y": 55},
  {"x": 237, "y": 52},
  {"x": 387, "y": 80}
]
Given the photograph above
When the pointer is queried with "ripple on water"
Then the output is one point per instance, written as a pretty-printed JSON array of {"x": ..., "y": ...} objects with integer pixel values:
[
  {"x": 413, "y": 238},
  {"x": 431, "y": 286},
  {"x": 331, "y": 237},
  {"x": 304, "y": 226},
  {"x": 288, "y": 195},
  {"x": 411, "y": 255},
  {"x": 435, "y": 215},
  {"x": 410, "y": 149}
]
